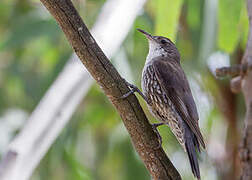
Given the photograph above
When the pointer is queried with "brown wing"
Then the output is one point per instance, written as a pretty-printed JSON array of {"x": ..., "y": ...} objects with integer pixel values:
[{"x": 174, "y": 83}]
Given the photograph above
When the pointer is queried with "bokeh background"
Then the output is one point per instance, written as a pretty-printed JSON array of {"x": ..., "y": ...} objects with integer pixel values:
[{"x": 94, "y": 144}]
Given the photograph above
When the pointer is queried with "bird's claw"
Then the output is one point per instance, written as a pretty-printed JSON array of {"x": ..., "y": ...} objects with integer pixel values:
[
  {"x": 134, "y": 89},
  {"x": 132, "y": 86},
  {"x": 127, "y": 94}
]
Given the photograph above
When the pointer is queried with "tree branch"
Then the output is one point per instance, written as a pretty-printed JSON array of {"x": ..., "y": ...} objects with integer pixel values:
[
  {"x": 246, "y": 149},
  {"x": 143, "y": 137},
  {"x": 234, "y": 70},
  {"x": 244, "y": 82},
  {"x": 55, "y": 109}
]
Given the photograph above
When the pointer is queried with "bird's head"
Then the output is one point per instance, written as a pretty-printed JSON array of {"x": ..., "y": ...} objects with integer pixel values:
[{"x": 159, "y": 45}]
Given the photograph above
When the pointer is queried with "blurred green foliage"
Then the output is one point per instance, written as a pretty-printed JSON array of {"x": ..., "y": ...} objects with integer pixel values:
[
  {"x": 229, "y": 16},
  {"x": 167, "y": 16},
  {"x": 95, "y": 145}
]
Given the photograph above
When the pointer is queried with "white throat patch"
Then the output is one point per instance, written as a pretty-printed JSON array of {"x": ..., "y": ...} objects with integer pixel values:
[{"x": 155, "y": 50}]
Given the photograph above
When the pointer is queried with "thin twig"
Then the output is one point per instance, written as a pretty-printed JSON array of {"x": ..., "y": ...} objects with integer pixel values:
[{"x": 235, "y": 70}]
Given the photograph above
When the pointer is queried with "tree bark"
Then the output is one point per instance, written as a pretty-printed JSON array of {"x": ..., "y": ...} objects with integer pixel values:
[
  {"x": 55, "y": 109},
  {"x": 244, "y": 82},
  {"x": 246, "y": 149},
  {"x": 143, "y": 137}
]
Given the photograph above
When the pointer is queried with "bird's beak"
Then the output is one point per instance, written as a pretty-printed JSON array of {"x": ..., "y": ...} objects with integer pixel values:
[{"x": 147, "y": 35}]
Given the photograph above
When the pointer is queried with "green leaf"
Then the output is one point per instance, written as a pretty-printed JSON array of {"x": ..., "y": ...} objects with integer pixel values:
[
  {"x": 229, "y": 14},
  {"x": 167, "y": 17}
]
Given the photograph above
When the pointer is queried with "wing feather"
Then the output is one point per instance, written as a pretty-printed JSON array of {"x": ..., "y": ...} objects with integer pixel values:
[{"x": 173, "y": 81}]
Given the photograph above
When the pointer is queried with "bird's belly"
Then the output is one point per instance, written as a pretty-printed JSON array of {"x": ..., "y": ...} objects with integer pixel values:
[{"x": 161, "y": 107}]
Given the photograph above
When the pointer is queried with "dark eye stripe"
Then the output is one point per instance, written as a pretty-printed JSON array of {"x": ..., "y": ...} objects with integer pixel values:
[{"x": 163, "y": 41}]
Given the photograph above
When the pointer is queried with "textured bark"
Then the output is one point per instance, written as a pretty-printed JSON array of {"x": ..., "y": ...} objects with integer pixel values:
[
  {"x": 225, "y": 101},
  {"x": 143, "y": 137},
  {"x": 244, "y": 82},
  {"x": 246, "y": 149},
  {"x": 234, "y": 70}
]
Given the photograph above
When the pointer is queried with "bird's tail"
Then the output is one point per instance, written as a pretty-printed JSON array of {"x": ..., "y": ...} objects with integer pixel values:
[{"x": 191, "y": 144}]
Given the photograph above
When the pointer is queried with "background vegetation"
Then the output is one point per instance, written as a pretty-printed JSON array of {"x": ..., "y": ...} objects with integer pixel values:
[{"x": 95, "y": 145}]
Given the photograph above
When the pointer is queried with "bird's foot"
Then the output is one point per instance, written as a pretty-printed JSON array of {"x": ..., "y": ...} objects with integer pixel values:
[
  {"x": 134, "y": 89},
  {"x": 154, "y": 127}
]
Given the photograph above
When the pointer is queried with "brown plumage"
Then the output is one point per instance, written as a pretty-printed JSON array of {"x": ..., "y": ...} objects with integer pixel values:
[
  {"x": 167, "y": 91},
  {"x": 173, "y": 82}
]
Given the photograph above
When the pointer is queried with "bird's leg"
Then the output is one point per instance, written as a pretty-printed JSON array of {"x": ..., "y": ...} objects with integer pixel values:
[
  {"x": 154, "y": 127},
  {"x": 134, "y": 89}
]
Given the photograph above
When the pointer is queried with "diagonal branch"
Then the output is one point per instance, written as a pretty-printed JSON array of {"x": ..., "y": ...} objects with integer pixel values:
[
  {"x": 55, "y": 109},
  {"x": 84, "y": 45}
]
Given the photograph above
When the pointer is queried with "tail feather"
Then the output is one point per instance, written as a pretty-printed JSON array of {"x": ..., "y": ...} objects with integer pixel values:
[{"x": 191, "y": 143}]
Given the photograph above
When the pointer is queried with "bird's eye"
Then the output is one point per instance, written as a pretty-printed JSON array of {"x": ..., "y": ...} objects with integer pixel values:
[{"x": 163, "y": 41}]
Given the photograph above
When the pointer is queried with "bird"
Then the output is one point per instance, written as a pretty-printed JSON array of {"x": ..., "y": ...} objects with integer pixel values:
[{"x": 168, "y": 95}]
